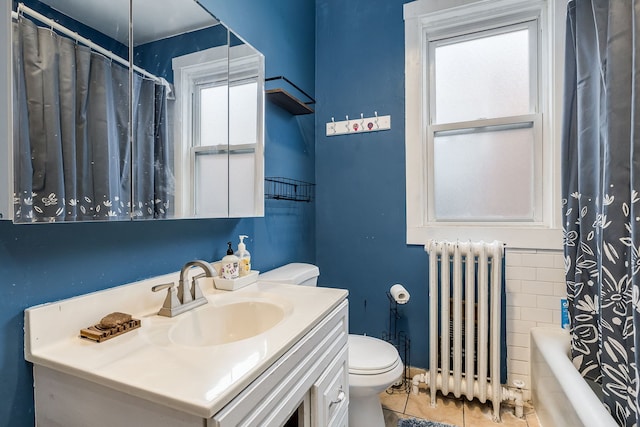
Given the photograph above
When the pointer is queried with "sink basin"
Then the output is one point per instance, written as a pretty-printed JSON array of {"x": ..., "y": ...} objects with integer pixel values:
[{"x": 222, "y": 324}]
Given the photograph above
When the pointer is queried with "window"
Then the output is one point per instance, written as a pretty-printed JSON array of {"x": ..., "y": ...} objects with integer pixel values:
[
  {"x": 219, "y": 140},
  {"x": 481, "y": 162}
]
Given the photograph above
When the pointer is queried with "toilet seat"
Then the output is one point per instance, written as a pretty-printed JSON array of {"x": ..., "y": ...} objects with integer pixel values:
[{"x": 371, "y": 356}]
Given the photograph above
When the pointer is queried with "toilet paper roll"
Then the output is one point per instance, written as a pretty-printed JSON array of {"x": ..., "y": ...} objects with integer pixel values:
[{"x": 399, "y": 294}]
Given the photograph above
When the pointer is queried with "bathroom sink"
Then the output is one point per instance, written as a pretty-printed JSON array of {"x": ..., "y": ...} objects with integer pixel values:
[{"x": 221, "y": 324}]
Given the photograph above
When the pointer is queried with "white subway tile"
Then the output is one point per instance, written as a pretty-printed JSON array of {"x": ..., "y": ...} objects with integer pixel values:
[
  {"x": 520, "y": 326},
  {"x": 521, "y": 300},
  {"x": 513, "y": 259},
  {"x": 522, "y": 273},
  {"x": 536, "y": 314},
  {"x": 550, "y": 275},
  {"x": 538, "y": 260},
  {"x": 557, "y": 318},
  {"x": 518, "y": 340},
  {"x": 518, "y": 353},
  {"x": 523, "y": 251},
  {"x": 560, "y": 289},
  {"x": 549, "y": 324},
  {"x": 537, "y": 287},
  {"x": 552, "y": 303},
  {"x": 513, "y": 312},
  {"x": 513, "y": 286},
  {"x": 535, "y": 284},
  {"x": 559, "y": 261},
  {"x": 519, "y": 367}
]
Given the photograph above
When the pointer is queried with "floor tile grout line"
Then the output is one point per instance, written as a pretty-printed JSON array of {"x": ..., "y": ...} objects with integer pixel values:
[{"x": 464, "y": 412}]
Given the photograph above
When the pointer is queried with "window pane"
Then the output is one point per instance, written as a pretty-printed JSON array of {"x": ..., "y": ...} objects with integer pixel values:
[
  {"x": 486, "y": 175},
  {"x": 241, "y": 184},
  {"x": 486, "y": 77},
  {"x": 242, "y": 126},
  {"x": 211, "y": 182},
  {"x": 213, "y": 115}
]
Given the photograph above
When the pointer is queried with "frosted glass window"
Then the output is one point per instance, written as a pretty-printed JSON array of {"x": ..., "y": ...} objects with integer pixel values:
[
  {"x": 484, "y": 176},
  {"x": 243, "y": 128},
  {"x": 484, "y": 77},
  {"x": 213, "y": 118},
  {"x": 241, "y": 184},
  {"x": 211, "y": 184}
]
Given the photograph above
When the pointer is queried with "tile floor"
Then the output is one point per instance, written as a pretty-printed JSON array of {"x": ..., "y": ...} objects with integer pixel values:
[{"x": 458, "y": 412}]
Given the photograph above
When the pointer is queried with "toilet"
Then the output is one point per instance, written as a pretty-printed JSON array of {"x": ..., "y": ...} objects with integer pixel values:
[{"x": 373, "y": 364}]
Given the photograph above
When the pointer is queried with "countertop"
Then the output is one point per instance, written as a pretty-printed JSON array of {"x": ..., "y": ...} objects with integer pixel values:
[{"x": 142, "y": 362}]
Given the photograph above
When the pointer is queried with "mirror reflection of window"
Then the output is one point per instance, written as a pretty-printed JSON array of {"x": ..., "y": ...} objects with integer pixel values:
[
  {"x": 243, "y": 134},
  {"x": 212, "y": 113},
  {"x": 219, "y": 115}
]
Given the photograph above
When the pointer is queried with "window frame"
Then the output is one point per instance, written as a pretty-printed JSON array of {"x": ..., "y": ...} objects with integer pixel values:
[
  {"x": 220, "y": 66},
  {"x": 427, "y": 21}
]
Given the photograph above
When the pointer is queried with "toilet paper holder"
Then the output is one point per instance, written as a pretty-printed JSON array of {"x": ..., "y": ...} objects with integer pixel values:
[
  {"x": 399, "y": 294},
  {"x": 401, "y": 342}
]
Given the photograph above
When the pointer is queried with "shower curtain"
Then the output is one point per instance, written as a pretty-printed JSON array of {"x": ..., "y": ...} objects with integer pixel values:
[
  {"x": 601, "y": 203},
  {"x": 72, "y": 154}
]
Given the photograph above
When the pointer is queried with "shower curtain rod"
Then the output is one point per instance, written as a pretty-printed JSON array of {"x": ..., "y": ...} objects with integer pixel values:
[{"x": 23, "y": 9}]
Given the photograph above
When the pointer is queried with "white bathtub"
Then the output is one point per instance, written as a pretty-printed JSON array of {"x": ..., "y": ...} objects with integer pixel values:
[{"x": 561, "y": 397}]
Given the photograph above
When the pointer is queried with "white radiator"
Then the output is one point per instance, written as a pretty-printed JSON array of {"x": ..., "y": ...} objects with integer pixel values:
[{"x": 465, "y": 292}]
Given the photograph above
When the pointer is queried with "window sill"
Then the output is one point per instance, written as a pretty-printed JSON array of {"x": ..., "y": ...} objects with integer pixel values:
[{"x": 520, "y": 237}]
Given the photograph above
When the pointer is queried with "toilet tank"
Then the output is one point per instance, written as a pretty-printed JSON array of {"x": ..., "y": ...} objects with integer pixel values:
[{"x": 296, "y": 273}]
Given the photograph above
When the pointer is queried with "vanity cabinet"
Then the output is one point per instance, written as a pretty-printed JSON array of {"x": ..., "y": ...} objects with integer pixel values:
[
  {"x": 330, "y": 394},
  {"x": 307, "y": 385},
  {"x": 308, "y": 379}
]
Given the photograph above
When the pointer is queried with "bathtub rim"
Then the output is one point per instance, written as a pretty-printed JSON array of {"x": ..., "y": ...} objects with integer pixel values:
[{"x": 586, "y": 405}]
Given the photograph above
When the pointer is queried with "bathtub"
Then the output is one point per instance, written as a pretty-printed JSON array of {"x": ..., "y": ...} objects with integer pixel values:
[{"x": 561, "y": 397}]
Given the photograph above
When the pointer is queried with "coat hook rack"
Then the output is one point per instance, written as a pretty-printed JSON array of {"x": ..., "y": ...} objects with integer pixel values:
[{"x": 360, "y": 125}]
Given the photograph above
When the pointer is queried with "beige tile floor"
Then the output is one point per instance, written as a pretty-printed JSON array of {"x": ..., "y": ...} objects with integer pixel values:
[{"x": 458, "y": 412}]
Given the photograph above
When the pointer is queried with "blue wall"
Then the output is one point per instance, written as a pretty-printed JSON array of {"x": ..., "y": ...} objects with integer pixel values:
[
  {"x": 360, "y": 207},
  {"x": 46, "y": 262}
]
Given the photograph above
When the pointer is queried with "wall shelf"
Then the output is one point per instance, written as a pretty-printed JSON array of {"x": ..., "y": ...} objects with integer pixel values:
[
  {"x": 284, "y": 98},
  {"x": 280, "y": 188}
]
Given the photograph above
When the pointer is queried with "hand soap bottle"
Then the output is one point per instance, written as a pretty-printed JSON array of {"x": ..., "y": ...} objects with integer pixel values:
[
  {"x": 229, "y": 269},
  {"x": 244, "y": 257}
]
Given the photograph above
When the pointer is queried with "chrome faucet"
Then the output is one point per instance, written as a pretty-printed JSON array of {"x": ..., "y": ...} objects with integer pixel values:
[{"x": 186, "y": 298}]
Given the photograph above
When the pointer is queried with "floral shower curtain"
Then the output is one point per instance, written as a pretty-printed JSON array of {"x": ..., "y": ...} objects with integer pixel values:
[
  {"x": 601, "y": 203},
  {"x": 73, "y": 157}
]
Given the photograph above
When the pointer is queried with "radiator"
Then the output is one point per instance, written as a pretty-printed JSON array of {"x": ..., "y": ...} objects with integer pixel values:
[{"x": 465, "y": 292}]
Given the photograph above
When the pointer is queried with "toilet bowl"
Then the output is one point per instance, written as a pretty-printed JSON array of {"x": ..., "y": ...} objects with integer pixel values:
[{"x": 373, "y": 364}]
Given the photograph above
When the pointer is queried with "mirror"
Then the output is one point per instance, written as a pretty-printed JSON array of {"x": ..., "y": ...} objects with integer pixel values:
[{"x": 194, "y": 95}]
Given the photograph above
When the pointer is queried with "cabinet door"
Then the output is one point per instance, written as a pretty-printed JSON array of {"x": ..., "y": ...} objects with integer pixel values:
[
  {"x": 330, "y": 394},
  {"x": 318, "y": 358}
]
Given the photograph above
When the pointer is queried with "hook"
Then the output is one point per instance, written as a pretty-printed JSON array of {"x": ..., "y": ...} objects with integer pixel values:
[
  {"x": 333, "y": 125},
  {"x": 377, "y": 124},
  {"x": 347, "y": 124}
]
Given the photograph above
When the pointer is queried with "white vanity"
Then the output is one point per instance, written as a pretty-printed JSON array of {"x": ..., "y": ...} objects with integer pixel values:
[{"x": 201, "y": 368}]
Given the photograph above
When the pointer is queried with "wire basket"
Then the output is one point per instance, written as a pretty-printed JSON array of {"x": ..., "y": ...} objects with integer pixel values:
[{"x": 279, "y": 188}]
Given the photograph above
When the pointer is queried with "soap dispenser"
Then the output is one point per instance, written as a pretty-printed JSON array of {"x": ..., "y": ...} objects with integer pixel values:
[
  {"x": 244, "y": 257},
  {"x": 229, "y": 269}
]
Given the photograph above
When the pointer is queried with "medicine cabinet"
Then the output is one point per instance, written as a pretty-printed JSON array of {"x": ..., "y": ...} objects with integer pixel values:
[{"x": 128, "y": 110}]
